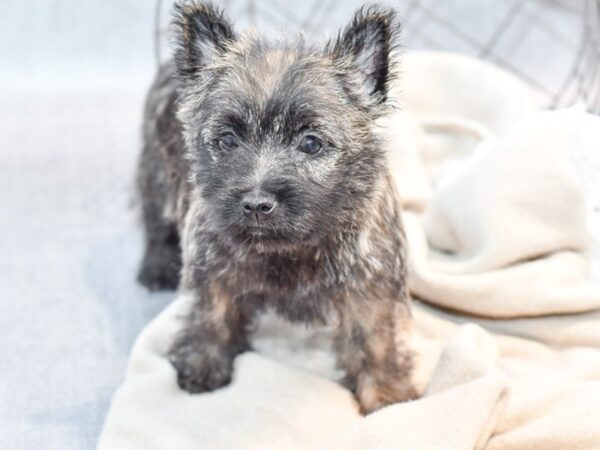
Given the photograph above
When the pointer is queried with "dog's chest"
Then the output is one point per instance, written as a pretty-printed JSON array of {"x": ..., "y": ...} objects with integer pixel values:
[{"x": 297, "y": 288}]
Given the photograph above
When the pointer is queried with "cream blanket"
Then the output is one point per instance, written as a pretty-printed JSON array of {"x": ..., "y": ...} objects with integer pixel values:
[{"x": 507, "y": 319}]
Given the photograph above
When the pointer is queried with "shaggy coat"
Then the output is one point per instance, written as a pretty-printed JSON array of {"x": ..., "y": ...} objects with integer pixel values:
[{"x": 263, "y": 185}]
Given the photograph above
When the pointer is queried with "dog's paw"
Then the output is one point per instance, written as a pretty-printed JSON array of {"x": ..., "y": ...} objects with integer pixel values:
[
  {"x": 197, "y": 371},
  {"x": 160, "y": 266},
  {"x": 379, "y": 394},
  {"x": 158, "y": 277}
]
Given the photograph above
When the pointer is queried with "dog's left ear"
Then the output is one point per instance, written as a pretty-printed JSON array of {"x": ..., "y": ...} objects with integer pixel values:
[
  {"x": 202, "y": 34},
  {"x": 368, "y": 44}
]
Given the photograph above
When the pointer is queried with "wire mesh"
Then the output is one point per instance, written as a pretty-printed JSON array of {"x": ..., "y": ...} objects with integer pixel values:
[{"x": 554, "y": 45}]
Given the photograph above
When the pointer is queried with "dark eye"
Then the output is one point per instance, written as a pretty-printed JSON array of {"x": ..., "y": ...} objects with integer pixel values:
[
  {"x": 310, "y": 144},
  {"x": 227, "y": 141}
]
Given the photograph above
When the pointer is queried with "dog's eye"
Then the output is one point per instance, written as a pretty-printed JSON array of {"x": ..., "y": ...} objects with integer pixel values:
[
  {"x": 227, "y": 141},
  {"x": 310, "y": 144}
]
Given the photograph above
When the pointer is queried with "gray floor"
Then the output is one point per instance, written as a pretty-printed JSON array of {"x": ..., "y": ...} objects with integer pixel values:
[
  {"x": 71, "y": 97},
  {"x": 70, "y": 307},
  {"x": 71, "y": 89}
]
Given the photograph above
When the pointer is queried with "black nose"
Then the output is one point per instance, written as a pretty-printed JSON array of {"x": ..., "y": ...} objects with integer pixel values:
[{"x": 258, "y": 202}]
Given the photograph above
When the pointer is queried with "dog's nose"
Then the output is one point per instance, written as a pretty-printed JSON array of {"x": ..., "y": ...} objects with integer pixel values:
[{"x": 258, "y": 202}]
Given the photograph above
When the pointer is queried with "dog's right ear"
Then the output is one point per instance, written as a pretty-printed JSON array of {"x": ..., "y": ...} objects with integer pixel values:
[{"x": 202, "y": 35}]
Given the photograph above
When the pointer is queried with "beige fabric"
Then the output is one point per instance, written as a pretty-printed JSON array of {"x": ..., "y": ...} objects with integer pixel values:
[{"x": 507, "y": 320}]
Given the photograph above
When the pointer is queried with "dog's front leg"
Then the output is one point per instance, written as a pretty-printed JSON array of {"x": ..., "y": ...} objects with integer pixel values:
[
  {"x": 373, "y": 352},
  {"x": 215, "y": 331}
]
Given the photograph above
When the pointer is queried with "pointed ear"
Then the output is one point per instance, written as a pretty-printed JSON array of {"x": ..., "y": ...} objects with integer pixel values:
[
  {"x": 201, "y": 35},
  {"x": 367, "y": 44}
]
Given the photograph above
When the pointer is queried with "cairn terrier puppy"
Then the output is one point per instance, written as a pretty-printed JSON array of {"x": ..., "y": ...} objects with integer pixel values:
[{"x": 264, "y": 186}]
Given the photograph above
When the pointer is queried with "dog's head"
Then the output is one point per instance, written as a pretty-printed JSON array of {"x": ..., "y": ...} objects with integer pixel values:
[{"x": 279, "y": 135}]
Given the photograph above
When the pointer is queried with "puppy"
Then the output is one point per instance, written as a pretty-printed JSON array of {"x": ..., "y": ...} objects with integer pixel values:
[{"x": 264, "y": 186}]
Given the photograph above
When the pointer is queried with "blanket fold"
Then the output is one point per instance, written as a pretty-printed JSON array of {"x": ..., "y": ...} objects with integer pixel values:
[{"x": 506, "y": 312}]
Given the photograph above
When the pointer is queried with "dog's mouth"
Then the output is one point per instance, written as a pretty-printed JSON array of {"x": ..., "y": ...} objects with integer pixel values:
[
  {"x": 257, "y": 231},
  {"x": 263, "y": 237},
  {"x": 261, "y": 233}
]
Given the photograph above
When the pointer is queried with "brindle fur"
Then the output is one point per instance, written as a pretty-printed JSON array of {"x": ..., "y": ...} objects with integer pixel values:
[{"x": 334, "y": 248}]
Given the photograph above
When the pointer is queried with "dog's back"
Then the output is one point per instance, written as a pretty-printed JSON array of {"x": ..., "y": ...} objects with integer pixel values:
[{"x": 161, "y": 173}]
